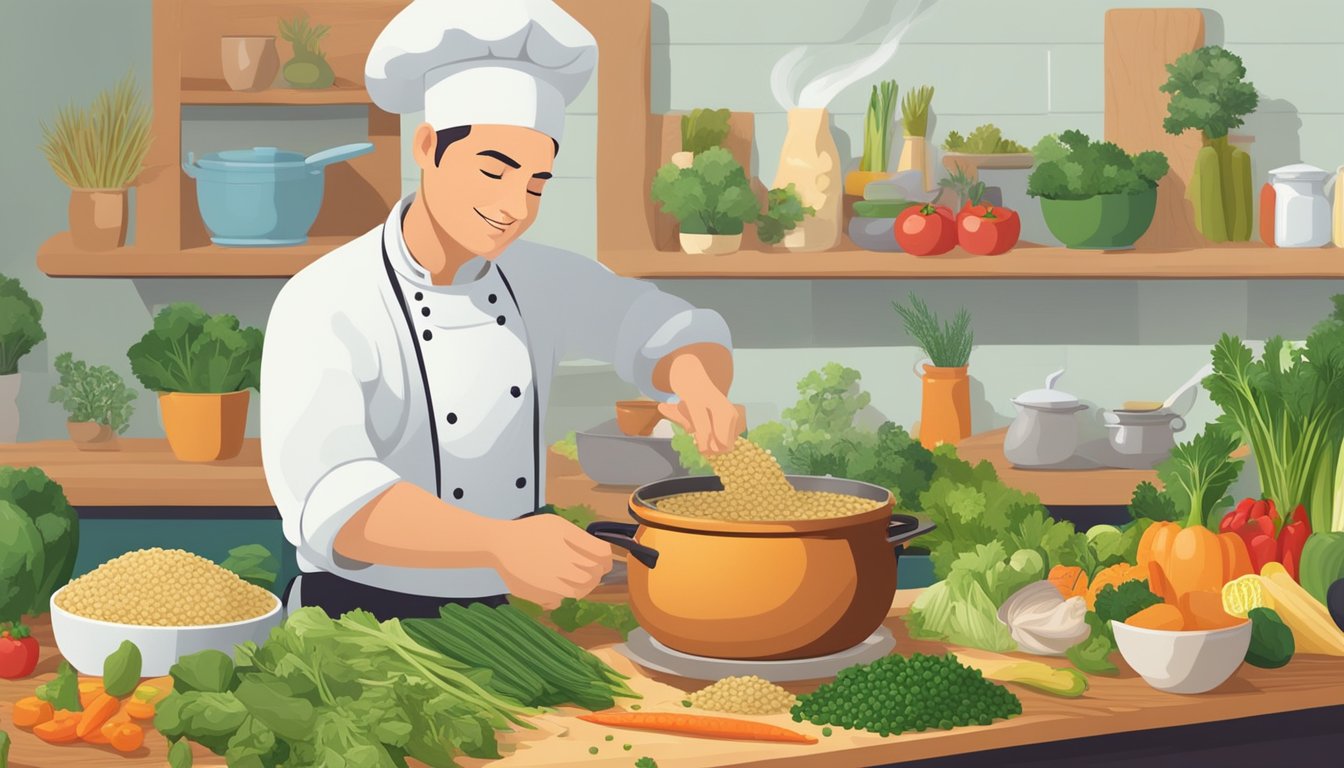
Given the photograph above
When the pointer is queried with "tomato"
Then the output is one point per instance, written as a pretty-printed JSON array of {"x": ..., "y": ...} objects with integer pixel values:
[
  {"x": 926, "y": 230},
  {"x": 986, "y": 230},
  {"x": 18, "y": 653}
]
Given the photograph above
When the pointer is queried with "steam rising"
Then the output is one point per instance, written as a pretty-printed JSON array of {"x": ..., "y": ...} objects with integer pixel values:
[{"x": 821, "y": 90}]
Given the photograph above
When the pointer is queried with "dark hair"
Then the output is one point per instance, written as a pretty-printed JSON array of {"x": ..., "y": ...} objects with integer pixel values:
[{"x": 449, "y": 135}]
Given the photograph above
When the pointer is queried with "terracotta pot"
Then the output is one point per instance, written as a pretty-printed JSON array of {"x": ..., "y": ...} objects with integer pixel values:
[
  {"x": 249, "y": 63},
  {"x": 204, "y": 427},
  {"x": 945, "y": 415},
  {"x": 637, "y": 417},
  {"x": 772, "y": 590},
  {"x": 9, "y": 407},
  {"x": 710, "y": 245},
  {"x": 92, "y": 436},
  {"x": 98, "y": 219}
]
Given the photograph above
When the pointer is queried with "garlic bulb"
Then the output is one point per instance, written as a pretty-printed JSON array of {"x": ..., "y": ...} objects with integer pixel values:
[{"x": 1042, "y": 622}]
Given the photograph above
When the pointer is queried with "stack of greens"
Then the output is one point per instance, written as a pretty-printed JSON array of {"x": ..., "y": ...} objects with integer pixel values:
[
  {"x": 324, "y": 692},
  {"x": 526, "y": 661}
]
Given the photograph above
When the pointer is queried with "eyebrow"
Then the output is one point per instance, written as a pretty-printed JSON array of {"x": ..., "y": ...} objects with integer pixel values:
[{"x": 501, "y": 157}]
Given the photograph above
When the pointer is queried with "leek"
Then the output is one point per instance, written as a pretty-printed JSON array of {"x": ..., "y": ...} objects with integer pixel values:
[
  {"x": 877, "y": 127},
  {"x": 915, "y": 110}
]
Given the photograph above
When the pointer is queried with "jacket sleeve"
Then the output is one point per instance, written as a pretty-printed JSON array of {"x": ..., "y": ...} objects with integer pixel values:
[
  {"x": 629, "y": 323},
  {"x": 320, "y": 463}
]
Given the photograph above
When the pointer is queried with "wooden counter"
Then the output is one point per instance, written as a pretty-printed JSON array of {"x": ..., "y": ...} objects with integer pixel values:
[{"x": 1112, "y": 705}]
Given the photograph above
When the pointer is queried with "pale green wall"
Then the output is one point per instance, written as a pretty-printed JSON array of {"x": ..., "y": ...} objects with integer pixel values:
[{"x": 1031, "y": 67}]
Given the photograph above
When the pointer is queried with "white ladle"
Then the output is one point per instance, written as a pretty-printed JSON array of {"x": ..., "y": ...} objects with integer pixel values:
[{"x": 1183, "y": 399}]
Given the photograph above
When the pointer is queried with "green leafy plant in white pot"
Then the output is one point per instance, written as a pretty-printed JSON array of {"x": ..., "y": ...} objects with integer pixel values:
[
  {"x": 98, "y": 401},
  {"x": 20, "y": 331},
  {"x": 712, "y": 201}
]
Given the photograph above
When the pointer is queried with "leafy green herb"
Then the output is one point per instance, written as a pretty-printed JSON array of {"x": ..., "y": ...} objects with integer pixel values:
[
  {"x": 704, "y": 129},
  {"x": 1209, "y": 92},
  {"x": 915, "y": 110},
  {"x": 32, "y": 569},
  {"x": 986, "y": 139},
  {"x": 62, "y": 691},
  {"x": 179, "y": 754},
  {"x": 712, "y": 197},
  {"x": 1092, "y": 655},
  {"x": 573, "y": 614},
  {"x": 121, "y": 670},
  {"x": 1148, "y": 503},
  {"x": 645, "y": 762},
  {"x": 93, "y": 393},
  {"x": 205, "y": 671},
  {"x": 568, "y": 446},
  {"x": 1119, "y": 603},
  {"x": 190, "y": 351},
  {"x": 1071, "y": 166},
  {"x": 877, "y": 127},
  {"x": 968, "y": 192},
  {"x": 784, "y": 211},
  {"x": 20, "y": 324},
  {"x": 1197, "y": 475},
  {"x": 947, "y": 344},
  {"x": 254, "y": 564}
]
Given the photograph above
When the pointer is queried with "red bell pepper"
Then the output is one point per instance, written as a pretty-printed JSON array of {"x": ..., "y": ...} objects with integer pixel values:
[
  {"x": 1256, "y": 521},
  {"x": 18, "y": 653},
  {"x": 1292, "y": 539}
]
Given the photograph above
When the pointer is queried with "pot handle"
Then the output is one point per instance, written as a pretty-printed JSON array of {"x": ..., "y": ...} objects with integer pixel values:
[
  {"x": 338, "y": 154},
  {"x": 623, "y": 535},
  {"x": 1177, "y": 424},
  {"x": 902, "y": 528}
]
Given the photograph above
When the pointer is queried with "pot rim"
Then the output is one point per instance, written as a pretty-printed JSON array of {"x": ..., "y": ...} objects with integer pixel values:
[{"x": 643, "y": 507}]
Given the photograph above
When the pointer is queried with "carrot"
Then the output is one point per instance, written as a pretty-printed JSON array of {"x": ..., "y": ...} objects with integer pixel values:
[
  {"x": 99, "y": 735},
  {"x": 89, "y": 690},
  {"x": 140, "y": 710},
  {"x": 698, "y": 725},
  {"x": 60, "y": 729},
  {"x": 124, "y": 737},
  {"x": 99, "y": 711},
  {"x": 153, "y": 690},
  {"x": 31, "y": 711}
]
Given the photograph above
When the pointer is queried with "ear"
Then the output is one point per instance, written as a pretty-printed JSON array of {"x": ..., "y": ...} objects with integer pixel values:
[{"x": 423, "y": 144}]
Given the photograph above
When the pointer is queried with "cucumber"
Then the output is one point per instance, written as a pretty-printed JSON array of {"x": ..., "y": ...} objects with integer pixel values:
[
  {"x": 881, "y": 209},
  {"x": 1239, "y": 227},
  {"x": 1271, "y": 641},
  {"x": 1206, "y": 187}
]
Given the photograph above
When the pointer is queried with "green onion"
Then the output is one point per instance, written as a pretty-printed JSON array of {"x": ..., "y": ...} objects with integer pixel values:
[
  {"x": 877, "y": 127},
  {"x": 915, "y": 110}
]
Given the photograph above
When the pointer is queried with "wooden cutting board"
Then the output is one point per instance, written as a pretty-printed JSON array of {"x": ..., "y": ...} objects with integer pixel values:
[{"x": 1140, "y": 42}]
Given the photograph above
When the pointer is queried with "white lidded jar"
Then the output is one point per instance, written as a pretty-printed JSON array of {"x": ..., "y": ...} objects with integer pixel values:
[
  {"x": 1301, "y": 206},
  {"x": 1045, "y": 432}
]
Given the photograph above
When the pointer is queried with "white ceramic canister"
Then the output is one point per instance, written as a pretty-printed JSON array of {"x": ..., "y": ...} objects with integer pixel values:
[{"x": 1301, "y": 206}]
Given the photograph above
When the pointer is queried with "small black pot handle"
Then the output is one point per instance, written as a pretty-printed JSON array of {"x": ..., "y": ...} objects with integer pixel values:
[
  {"x": 623, "y": 536},
  {"x": 903, "y": 528}
]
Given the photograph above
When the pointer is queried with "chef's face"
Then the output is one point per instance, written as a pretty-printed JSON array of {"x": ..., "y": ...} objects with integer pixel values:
[{"x": 483, "y": 189}]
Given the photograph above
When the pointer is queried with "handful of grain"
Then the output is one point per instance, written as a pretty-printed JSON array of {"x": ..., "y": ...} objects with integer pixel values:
[
  {"x": 164, "y": 588},
  {"x": 755, "y": 489},
  {"x": 749, "y": 695}
]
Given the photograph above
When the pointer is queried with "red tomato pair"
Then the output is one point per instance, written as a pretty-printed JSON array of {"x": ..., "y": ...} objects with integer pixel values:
[{"x": 930, "y": 230}]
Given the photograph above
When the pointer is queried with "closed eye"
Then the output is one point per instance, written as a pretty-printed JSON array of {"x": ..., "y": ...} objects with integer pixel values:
[
  {"x": 493, "y": 176},
  {"x": 535, "y": 194}
]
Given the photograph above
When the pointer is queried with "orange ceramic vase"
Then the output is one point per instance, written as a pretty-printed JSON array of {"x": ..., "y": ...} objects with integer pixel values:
[
  {"x": 945, "y": 416},
  {"x": 204, "y": 427}
]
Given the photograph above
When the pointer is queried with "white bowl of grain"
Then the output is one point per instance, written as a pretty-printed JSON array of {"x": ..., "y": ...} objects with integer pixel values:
[{"x": 170, "y": 603}]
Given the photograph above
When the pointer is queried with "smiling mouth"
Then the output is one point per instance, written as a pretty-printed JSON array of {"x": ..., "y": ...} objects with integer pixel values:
[{"x": 498, "y": 225}]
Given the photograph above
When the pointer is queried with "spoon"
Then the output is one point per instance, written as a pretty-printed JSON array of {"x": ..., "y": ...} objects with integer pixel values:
[{"x": 1184, "y": 394}]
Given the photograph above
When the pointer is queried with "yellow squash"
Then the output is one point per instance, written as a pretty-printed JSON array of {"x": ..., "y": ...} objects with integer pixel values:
[{"x": 1313, "y": 629}]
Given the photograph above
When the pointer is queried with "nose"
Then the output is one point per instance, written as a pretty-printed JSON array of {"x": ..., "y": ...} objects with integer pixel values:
[{"x": 514, "y": 204}]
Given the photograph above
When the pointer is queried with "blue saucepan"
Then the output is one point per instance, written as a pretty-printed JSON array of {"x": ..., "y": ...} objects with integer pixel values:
[{"x": 263, "y": 196}]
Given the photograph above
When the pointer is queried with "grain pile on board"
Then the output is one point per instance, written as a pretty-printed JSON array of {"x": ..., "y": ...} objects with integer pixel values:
[
  {"x": 164, "y": 588},
  {"x": 748, "y": 695},
  {"x": 755, "y": 489}
]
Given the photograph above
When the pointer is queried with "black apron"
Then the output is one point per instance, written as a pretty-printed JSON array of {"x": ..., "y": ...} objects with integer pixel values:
[{"x": 336, "y": 595}]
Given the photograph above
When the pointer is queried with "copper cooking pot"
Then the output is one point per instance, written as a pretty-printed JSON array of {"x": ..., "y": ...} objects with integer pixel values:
[{"x": 761, "y": 590}]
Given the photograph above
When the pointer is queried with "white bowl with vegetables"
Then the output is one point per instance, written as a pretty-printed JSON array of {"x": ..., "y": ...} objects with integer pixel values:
[
  {"x": 169, "y": 603},
  {"x": 1183, "y": 661}
]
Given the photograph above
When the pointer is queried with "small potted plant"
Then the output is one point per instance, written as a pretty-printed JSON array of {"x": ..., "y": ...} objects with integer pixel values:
[
  {"x": 945, "y": 414},
  {"x": 876, "y": 140},
  {"x": 984, "y": 148},
  {"x": 98, "y": 152},
  {"x": 20, "y": 331},
  {"x": 1209, "y": 94},
  {"x": 1094, "y": 194},
  {"x": 701, "y": 129},
  {"x": 712, "y": 201},
  {"x": 201, "y": 367},
  {"x": 98, "y": 401},
  {"x": 784, "y": 211},
  {"x": 308, "y": 68},
  {"x": 915, "y": 123}
]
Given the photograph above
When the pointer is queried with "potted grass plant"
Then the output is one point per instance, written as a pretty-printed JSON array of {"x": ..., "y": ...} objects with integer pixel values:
[
  {"x": 712, "y": 201},
  {"x": 876, "y": 140},
  {"x": 98, "y": 152},
  {"x": 20, "y": 331},
  {"x": 945, "y": 413},
  {"x": 701, "y": 129},
  {"x": 915, "y": 123},
  {"x": 98, "y": 401},
  {"x": 201, "y": 366}
]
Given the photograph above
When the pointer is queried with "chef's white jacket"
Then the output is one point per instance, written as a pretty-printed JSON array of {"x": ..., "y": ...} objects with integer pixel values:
[{"x": 372, "y": 375}]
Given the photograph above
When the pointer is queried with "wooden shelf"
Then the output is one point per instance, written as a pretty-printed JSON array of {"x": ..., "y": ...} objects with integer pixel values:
[
  {"x": 1240, "y": 262},
  {"x": 1057, "y": 488},
  {"x": 59, "y": 258},
  {"x": 197, "y": 91}
]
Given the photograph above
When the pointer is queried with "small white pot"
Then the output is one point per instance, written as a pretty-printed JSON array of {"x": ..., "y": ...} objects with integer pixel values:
[
  {"x": 712, "y": 245},
  {"x": 9, "y": 407}
]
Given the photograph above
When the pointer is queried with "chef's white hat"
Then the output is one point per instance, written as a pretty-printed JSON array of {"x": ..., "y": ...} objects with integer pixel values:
[{"x": 482, "y": 62}]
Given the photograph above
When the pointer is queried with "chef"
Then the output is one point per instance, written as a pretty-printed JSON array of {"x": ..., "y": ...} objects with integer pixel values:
[{"x": 406, "y": 373}]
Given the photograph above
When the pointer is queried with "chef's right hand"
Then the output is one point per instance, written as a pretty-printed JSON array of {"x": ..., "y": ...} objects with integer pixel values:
[{"x": 546, "y": 558}]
